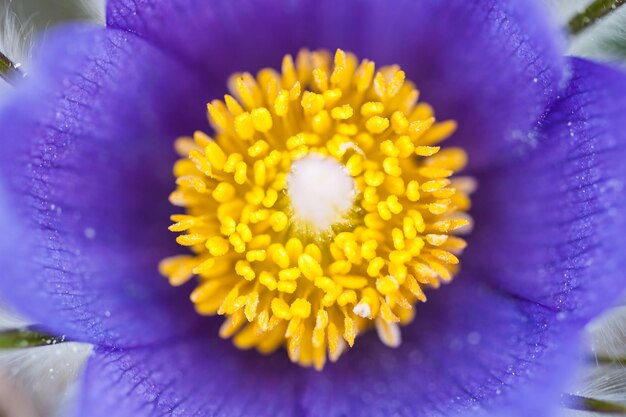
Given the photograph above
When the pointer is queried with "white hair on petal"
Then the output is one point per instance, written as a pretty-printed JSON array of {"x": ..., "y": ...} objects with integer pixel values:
[
  {"x": 608, "y": 333},
  {"x": 15, "y": 38},
  {"x": 46, "y": 375},
  {"x": 564, "y": 10},
  {"x": 604, "y": 39},
  {"x": 94, "y": 10},
  {"x": 15, "y": 43},
  {"x": 604, "y": 375},
  {"x": 42, "y": 376},
  {"x": 16, "y": 35}
]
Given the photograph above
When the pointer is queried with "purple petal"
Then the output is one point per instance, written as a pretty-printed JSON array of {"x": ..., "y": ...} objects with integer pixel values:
[
  {"x": 193, "y": 376},
  {"x": 471, "y": 350},
  {"x": 85, "y": 162},
  {"x": 551, "y": 227},
  {"x": 492, "y": 65}
]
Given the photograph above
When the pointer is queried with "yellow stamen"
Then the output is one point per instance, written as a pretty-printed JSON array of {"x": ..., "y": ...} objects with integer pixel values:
[{"x": 313, "y": 291}]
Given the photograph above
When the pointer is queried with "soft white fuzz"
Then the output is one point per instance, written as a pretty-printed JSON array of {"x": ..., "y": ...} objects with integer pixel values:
[
  {"x": 608, "y": 333},
  {"x": 321, "y": 191},
  {"x": 603, "y": 39},
  {"x": 94, "y": 10},
  {"x": 564, "y": 10},
  {"x": 15, "y": 37},
  {"x": 42, "y": 378},
  {"x": 17, "y": 29},
  {"x": 45, "y": 375},
  {"x": 598, "y": 378},
  {"x": 15, "y": 43}
]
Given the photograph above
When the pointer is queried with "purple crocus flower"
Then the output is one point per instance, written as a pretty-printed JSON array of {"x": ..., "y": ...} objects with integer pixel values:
[{"x": 85, "y": 173}]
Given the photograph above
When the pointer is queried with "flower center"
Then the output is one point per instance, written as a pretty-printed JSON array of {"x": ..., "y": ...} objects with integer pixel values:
[
  {"x": 321, "y": 207},
  {"x": 321, "y": 191}
]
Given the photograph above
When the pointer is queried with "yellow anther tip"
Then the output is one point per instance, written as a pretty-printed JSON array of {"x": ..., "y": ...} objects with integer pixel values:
[
  {"x": 342, "y": 113},
  {"x": 377, "y": 124},
  {"x": 300, "y": 308},
  {"x": 262, "y": 119}
]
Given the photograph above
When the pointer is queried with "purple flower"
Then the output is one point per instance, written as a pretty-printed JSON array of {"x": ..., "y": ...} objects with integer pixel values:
[{"x": 85, "y": 171}]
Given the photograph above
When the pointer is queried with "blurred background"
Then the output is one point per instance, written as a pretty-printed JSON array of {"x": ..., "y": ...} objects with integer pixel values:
[{"x": 40, "y": 381}]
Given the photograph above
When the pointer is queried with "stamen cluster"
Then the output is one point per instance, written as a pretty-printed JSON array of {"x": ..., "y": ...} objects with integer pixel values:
[{"x": 280, "y": 281}]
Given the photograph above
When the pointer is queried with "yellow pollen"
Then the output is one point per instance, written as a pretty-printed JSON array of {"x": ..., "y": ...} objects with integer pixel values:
[{"x": 283, "y": 285}]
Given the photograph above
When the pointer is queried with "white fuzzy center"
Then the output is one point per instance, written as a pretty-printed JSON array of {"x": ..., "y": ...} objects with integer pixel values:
[{"x": 321, "y": 191}]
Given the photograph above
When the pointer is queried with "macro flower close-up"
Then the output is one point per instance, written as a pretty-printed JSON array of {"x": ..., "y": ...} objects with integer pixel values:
[{"x": 314, "y": 208}]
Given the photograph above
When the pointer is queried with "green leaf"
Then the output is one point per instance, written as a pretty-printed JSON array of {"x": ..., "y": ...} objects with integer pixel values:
[
  {"x": 596, "y": 11},
  {"x": 22, "y": 338},
  {"x": 578, "y": 402},
  {"x": 9, "y": 71},
  {"x": 608, "y": 360}
]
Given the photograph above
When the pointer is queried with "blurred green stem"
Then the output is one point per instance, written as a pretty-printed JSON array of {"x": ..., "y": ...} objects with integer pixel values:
[
  {"x": 9, "y": 71},
  {"x": 608, "y": 360},
  {"x": 577, "y": 402},
  {"x": 596, "y": 11},
  {"x": 22, "y": 338}
]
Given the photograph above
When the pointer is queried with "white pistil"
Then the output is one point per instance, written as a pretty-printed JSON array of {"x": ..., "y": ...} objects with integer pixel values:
[{"x": 321, "y": 191}]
